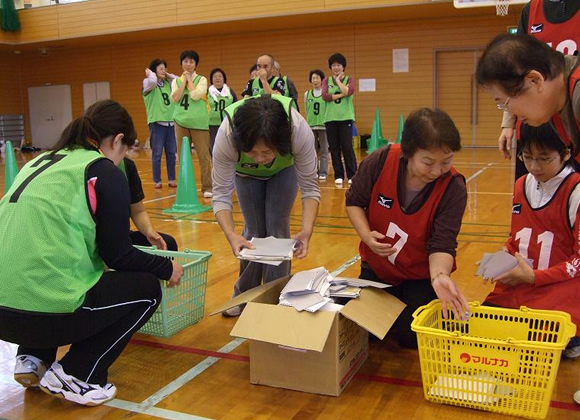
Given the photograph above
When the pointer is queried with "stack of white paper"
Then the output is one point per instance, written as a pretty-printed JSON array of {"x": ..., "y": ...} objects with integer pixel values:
[
  {"x": 269, "y": 250},
  {"x": 494, "y": 265},
  {"x": 307, "y": 290},
  {"x": 313, "y": 290}
]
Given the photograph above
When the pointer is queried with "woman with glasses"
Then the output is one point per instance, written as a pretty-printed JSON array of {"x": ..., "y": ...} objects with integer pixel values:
[
  {"x": 406, "y": 204},
  {"x": 545, "y": 228},
  {"x": 535, "y": 84}
]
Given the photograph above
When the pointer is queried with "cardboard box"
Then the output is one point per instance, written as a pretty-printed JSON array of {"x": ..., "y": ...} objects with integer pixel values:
[{"x": 311, "y": 352}]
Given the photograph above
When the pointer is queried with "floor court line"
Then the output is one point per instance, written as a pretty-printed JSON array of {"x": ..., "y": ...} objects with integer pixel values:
[{"x": 475, "y": 175}]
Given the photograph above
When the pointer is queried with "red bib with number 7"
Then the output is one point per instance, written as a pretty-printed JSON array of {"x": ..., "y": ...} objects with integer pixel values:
[{"x": 407, "y": 232}]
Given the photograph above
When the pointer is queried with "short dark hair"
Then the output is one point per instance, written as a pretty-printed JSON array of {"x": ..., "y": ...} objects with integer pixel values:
[
  {"x": 426, "y": 129},
  {"x": 543, "y": 137},
  {"x": 253, "y": 68},
  {"x": 508, "y": 59},
  {"x": 262, "y": 119},
  {"x": 155, "y": 63},
  {"x": 100, "y": 120},
  {"x": 189, "y": 54},
  {"x": 337, "y": 58},
  {"x": 318, "y": 72},
  {"x": 217, "y": 70}
]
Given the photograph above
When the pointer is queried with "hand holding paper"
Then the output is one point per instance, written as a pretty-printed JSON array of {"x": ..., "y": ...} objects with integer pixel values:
[{"x": 494, "y": 266}]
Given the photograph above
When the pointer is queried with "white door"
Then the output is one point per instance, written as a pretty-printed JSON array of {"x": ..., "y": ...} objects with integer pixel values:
[
  {"x": 50, "y": 112},
  {"x": 93, "y": 92}
]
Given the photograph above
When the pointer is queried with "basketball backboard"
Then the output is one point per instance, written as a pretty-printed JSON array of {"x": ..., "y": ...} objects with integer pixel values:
[{"x": 482, "y": 3}]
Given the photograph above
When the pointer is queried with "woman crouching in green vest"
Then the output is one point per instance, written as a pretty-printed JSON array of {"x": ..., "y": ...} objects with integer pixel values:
[
  {"x": 64, "y": 219},
  {"x": 265, "y": 149}
]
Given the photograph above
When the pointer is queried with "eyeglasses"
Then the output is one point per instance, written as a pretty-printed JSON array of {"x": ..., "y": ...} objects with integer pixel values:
[
  {"x": 504, "y": 106},
  {"x": 540, "y": 161}
]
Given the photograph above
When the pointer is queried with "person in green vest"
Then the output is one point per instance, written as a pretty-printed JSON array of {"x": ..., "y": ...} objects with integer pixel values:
[
  {"x": 220, "y": 96},
  {"x": 291, "y": 91},
  {"x": 145, "y": 235},
  {"x": 191, "y": 116},
  {"x": 64, "y": 220},
  {"x": 265, "y": 80},
  {"x": 337, "y": 91},
  {"x": 315, "y": 111},
  {"x": 265, "y": 150},
  {"x": 159, "y": 106}
]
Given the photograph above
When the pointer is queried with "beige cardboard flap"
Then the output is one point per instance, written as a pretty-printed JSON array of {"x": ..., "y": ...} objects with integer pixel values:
[
  {"x": 374, "y": 310},
  {"x": 265, "y": 291},
  {"x": 285, "y": 326}
]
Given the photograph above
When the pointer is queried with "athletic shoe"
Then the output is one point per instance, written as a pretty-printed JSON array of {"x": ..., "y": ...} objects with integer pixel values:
[
  {"x": 207, "y": 194},
  {"x": 232, "y": 312},
  {"x": 350, "y": 182},
  {"x": 322, "y": 178},
  {"x": 338, "y": 181},
  {"x": 172, "y": 184},
  {"x": 158, "y": 185},
  {"x": 577, "y": 397},
  {"x": 58, "y": 383},
  {"x": 572, "y": 350},
  {"x": 29, "y": 370}
]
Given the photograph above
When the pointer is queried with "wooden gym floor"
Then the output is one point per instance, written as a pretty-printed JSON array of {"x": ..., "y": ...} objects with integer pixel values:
[{"x": 203, "y": 373}]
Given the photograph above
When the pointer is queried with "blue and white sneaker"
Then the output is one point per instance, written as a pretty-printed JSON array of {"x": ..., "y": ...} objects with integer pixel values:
[
  {"x": 58, "y": 383},
  {"x": 572, "y": 350},
  {"x": 29, "y": 370}
]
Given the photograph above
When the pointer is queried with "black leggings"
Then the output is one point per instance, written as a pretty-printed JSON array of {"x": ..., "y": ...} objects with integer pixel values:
[
  {"x": 413, "y": 293},
  {"x": 339, "y": 136},
  {"x": 98, "y": 331}
]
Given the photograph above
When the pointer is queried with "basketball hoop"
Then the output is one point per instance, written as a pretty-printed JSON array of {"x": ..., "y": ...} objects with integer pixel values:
[{"x": 501, "y": 7}]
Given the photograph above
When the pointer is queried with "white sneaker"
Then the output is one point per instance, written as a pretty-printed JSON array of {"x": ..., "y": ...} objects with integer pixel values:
[
  {"x": 350, "y": 182},
  {"x": 207, "y": 194},
  {"x": 29, "y": 370},
  {"x": 58, "y": 383},
  {"x": 338, "y": 181},
  {"x": 322, "y": 178}
]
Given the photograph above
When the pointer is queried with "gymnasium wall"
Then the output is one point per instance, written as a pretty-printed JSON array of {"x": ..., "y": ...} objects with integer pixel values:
[{"x": 367, "y": 46}]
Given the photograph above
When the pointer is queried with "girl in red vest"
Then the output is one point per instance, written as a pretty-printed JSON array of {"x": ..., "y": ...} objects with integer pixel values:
[{"x": 406, "y": 203}]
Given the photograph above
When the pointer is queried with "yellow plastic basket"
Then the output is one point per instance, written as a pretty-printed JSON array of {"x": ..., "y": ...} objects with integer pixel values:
[
  {"x": 182, "y": 305},
  {"x": 500, "y": 360}
]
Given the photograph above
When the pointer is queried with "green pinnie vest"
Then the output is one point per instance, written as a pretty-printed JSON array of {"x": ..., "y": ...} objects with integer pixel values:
[
  {"x": 158, "y": 103},
  {"x": 340, "y": 109},
  {"x": 217, "y": 108},
  {"x": 258, "y": 90},
  {"x": 48, "y": 253},
  {"x": 189, "y": 113},
  {"x": 315, "y": 110},
  {"x": 248, "y": 166}
]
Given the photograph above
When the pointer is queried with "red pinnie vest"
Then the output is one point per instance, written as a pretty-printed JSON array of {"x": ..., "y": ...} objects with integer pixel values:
[
  {"x": 563, "y": 37},
  {"x": 406, "y": 232}
]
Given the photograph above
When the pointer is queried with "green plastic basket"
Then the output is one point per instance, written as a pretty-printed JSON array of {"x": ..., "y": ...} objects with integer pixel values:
[{"x": 182, "y": 305}]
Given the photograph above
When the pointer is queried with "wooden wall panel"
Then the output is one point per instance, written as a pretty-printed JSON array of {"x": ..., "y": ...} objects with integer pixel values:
[
  {"x": 38, "y": 25},
  {"x": 217, "y": 10},
  {"x": 368, "y": 48},
  {"x": 106, "y": 16},
  {"x": 11, "y": 84}
]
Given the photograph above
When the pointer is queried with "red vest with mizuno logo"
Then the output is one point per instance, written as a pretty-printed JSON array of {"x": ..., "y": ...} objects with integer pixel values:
[
  {"x": 406, "y": 232},
  {"x": 563, "y": 37},
  {"x": 543, "y": 235}
]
